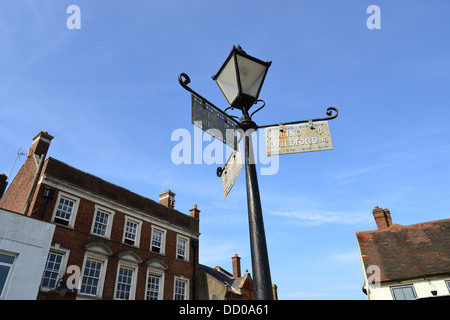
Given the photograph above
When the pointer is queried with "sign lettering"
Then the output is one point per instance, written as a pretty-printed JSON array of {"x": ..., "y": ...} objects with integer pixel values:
[
  {"x": 212, "y": 121},
  {"x": 231, "y": 171},
  {"x": 298, "y": 138}
]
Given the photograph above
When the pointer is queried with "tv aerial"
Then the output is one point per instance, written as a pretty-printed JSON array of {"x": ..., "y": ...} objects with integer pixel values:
[{"x": 19, "y": 153}]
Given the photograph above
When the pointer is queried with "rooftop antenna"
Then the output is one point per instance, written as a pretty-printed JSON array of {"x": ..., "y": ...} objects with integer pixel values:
[{"x": 19, "y": 153}]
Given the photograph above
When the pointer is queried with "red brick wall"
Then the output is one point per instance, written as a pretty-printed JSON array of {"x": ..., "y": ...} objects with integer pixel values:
[{"x": 16, "y": 195}]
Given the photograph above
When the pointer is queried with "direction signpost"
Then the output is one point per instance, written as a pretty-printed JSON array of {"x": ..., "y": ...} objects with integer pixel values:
[
  {"x": 213, "y": 121},
  {"x": 298, "y": 138},
  {"x": 231, "y": 171},
  {"x": 223, "y": 128},
  {"x": 240, "y": 79}
]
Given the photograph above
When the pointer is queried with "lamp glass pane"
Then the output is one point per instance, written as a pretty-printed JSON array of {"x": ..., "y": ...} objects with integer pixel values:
[
  {"x": 227, "y": 81},
  {"x": 251, "y": 75}
]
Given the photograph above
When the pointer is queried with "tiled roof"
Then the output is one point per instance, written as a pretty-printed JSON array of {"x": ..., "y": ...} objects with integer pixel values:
[{"x": 406, "y": 252}]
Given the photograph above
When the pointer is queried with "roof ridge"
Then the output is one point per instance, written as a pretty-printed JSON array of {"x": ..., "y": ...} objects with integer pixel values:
[{"x": 396, "y": 226}]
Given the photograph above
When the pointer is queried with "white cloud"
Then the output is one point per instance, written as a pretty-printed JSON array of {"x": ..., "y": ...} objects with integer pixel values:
[
  {"x": 355, "y": 174},
  {"x": 319, "y": 217},
  {"x": 344, "y": 257},
  {"x": 212, "y": 254}
]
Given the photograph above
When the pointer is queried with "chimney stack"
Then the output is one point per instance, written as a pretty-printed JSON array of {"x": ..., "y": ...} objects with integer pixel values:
[
  {"x": 236, "y": 266},
  {"x": 167, "y": 198},
  {"x": 41, "y": 143},
  {"x": 3, "y": 184},
  {"x": 194, "y": 212},
  {"x": 382, "y": 218}
]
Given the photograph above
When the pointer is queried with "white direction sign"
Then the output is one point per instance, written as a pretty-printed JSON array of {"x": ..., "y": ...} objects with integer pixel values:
[
  {"x": 231, "y": 171},
  {"x": 296, "y": 138}
]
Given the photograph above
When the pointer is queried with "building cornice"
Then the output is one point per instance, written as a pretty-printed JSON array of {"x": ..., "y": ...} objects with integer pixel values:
[{"x": 83, "y": 193}]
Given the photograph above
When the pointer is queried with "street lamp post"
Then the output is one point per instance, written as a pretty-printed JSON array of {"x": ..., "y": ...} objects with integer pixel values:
[
  {"x": 240, "y": 78},
  {"x": 262, "y": 282}
]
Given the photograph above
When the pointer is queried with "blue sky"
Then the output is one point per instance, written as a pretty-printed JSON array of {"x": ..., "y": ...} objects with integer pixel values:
[{"x": 109, "y": 94}]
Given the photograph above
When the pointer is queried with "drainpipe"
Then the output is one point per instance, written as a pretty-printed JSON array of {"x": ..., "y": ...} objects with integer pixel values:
[
  {"x": 3, "y": 184},
  {"x": 48, "y": 195},
  {"x": 34, "y": 183},
  {"x": 194, "y": 283}
]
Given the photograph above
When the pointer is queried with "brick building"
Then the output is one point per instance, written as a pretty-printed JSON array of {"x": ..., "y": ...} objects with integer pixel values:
[
  {"x": 405, "y": 262},
  {"x": 125, "y": 246}
]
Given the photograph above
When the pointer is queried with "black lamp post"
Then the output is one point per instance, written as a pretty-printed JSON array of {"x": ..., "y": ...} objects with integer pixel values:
[{"x": 240, "y": 78}]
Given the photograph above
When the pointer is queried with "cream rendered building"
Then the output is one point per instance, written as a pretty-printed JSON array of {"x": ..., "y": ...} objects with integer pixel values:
[{"x": 405, "y": 262}]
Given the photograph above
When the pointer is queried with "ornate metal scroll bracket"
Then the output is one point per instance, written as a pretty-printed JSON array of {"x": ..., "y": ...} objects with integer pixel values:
[
  {"x": 310, "y": 121},
  {"x": 219, "y": 171},
  {"x": 184, "y": 80}
]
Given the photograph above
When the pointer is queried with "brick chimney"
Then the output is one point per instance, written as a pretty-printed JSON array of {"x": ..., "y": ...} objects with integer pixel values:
[
  {"x": 3, "y": 184},
  {"x": 41, "y": 143},
  {"x": 236, "y": 266},
  {"x": 194, "y": 212},
  {"x": 382, "y": 218},
  {"x": 167, "y": 198}
]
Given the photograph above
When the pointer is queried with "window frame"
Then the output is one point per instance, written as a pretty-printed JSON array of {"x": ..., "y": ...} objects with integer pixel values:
[
  {"x": 65, "y": 255},
  {"x": 109, "y": 223},
  {"x": 162, "y": 249},
  {"x": 184, "y": 280},
  {"x": 55, "y": 272},
  {"x": 131, "y": 263},
  {"x": 11, "y": 266},
  {"x": 118, "y": 285},
  {"x": 73, "y": 214},
  {"x": 186, "y": 249},
  {"x": 99, "y": 258},
  {"x": 138, "y": 232},
  {"x": 411, "y": 286},
  {"x": 156, "y": 273}
]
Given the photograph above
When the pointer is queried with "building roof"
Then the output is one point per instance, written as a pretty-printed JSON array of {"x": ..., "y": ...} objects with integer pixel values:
[
  {"x": 223, "y": 276},
  {"x": 54, "y": 168},
  {"x": 407, "y": 252}
]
